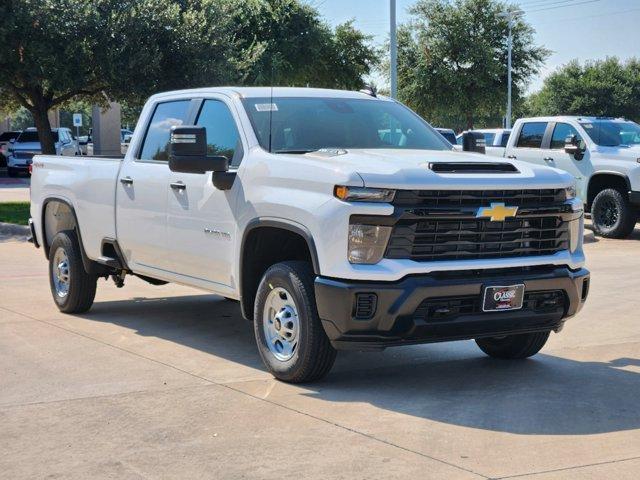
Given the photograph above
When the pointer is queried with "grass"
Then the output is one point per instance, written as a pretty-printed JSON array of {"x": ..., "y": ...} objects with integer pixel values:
[{"x": 14, "y": 212}]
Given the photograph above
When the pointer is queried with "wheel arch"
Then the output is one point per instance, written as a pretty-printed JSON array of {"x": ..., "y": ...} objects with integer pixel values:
[
  {"x": 68, "y": 221},
  {"x": 251, "y": 272},
  {"x": 607, "y": 179}
]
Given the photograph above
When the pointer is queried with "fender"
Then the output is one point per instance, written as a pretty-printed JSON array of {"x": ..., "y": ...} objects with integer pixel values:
[
  {"x": 276, "y": 223},
  {"x": 89, "y": 265},
  {"x": 601, "y": 173}
]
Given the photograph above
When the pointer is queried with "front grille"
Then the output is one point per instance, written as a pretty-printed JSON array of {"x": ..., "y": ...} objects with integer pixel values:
[
  {"x": 450, "y": 308},
  {"x": 536, "y": 198},
  {"x": 442, "y": 225}
]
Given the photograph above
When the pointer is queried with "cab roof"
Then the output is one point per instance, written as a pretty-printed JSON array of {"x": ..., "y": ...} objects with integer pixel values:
[{"x": 277, "y": 92}]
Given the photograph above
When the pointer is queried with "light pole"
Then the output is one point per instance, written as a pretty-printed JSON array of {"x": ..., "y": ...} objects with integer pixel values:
[
  {"x": 510, "y": 15},
  {"x": 394, "y": 48}
]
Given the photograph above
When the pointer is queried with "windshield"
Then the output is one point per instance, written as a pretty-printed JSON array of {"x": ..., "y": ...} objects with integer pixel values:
[
  {"x": 31, "y": 136},
  {"x": 302, "y": 125},
  {"x": 613, "y": 133}
]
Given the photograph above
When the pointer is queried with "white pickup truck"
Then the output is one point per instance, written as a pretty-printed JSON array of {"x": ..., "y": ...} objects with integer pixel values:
[
  {"x": 337, "y": 219},
  {"x": 602, "y": 154}
]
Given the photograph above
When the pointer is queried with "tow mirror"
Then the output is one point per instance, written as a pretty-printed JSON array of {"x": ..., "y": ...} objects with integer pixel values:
[
  {"x": 573, "y": 146},
  {"x": 473, "y": 142},
  {"x": 188, "y": 154}
]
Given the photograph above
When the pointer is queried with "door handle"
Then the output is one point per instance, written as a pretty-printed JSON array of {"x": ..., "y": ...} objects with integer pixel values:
[
  {"x": 126, "y": 181},
  {"x": 512, "y": 157},
  {"x": 178, "y": 186},
  {"x": 548, "y": 159}
]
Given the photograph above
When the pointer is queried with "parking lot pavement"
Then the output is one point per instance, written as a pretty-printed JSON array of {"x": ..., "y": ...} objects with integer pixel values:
[
  {"x": 165, "y": 382},
  {"x": 14, "y": 189}
]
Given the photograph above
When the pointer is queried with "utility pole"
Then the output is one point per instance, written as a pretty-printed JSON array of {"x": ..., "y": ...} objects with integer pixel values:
[
  {"x": 510, "y": 15},
  {"x": 394, "y": 48}
]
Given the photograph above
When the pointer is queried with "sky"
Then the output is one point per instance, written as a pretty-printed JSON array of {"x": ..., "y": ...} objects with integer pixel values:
[{"x": 582, "y": 29}]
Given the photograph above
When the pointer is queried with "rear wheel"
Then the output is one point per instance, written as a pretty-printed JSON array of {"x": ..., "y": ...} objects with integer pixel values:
[
  {"x": 513, "y": 346},
  {"x": 612, "y": 214},
  {"x": 290, "y": 337},
  {"x": 73, "y": 289}
]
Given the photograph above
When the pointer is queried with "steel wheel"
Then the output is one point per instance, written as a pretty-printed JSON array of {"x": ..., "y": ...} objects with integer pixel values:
[
  {"x": 60, "y": 273},
  {"x": 281, "y": 324}
]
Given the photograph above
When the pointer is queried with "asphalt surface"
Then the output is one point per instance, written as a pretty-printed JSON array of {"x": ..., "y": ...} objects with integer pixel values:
[{"x": 166, "y": 382}]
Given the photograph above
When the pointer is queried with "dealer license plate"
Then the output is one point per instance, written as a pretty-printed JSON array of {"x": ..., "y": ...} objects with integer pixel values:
[{"x": 499, "y": 298}]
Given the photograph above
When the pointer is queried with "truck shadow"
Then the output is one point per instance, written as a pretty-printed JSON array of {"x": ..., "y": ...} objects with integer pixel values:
[{"x": 453, "y": 383}]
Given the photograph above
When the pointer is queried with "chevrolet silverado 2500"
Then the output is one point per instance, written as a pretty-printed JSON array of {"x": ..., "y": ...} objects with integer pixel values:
[
  {"x": 602, "y": 154},
  {"x": 337, "y": 219}
]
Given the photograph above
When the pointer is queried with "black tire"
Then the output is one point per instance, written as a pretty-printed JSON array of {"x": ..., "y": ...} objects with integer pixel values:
[
  {"x": 612, "y": 214},
  {"x": 313, "y": 356},
  {"x": 81, "y": 286},
  {"x": 513, "y": 346}
]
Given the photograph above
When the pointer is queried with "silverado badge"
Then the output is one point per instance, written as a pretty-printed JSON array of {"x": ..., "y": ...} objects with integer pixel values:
[{"x": 497, "y": 212}]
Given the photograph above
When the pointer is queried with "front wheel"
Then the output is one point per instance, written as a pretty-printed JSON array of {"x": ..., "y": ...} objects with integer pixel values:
[
  {"x": 290, "y": 337},
  {"x": 513, "y": 346},
  {"x": 612, "y": 214},
  {"x": 73, "y": 289}
]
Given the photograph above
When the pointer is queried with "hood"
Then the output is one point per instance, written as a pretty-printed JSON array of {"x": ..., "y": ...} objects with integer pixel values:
[
  {"x": 631, "y": 152},
  {"x": 409, "y": 169}
]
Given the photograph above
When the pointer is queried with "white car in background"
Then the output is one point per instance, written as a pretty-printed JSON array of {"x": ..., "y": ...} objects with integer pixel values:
[
  {"x": 602, "y": 154},
  {"x": 27, "y": 144},
  {"x": 495, "y": 138}
]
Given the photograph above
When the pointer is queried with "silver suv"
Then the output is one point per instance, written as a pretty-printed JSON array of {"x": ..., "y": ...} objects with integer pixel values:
[{"x": 27, "y": 145}]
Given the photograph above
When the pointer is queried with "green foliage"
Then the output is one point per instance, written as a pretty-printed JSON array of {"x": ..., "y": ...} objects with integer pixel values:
[
  {"x": 55, "y": 51},
  {"x": 285, "y": 42},
  {"x": 599, "y": 88},
  {"x": 452, "y": 60},
  {"x": 14, "y": 212}
]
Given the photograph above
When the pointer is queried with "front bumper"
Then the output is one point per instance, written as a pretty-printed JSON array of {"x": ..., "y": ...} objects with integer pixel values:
[{"x": 445, "y": 306}]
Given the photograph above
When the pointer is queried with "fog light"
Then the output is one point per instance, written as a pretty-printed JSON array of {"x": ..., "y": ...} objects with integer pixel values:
[{"x": 367, "y": 243}]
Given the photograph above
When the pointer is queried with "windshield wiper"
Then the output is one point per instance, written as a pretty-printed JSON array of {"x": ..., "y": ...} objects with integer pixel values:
[{"x": 298, "y": 151}]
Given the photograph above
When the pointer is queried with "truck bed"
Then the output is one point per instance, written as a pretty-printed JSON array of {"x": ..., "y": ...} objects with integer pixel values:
[{"x": 87, "y": 183}]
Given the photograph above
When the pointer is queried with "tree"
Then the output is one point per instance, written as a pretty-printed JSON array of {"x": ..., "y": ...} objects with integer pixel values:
[
  {"x": 287, "y": 43},
  {"x": 52, "y": 51},
  {"x": 452, "y": 60},
  {"x": 55, "y": 51},
  {"x": 599, "y": 88}
]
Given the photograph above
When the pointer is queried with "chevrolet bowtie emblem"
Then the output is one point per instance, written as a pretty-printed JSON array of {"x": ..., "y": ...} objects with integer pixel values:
[{"x": 497, "y": 212}]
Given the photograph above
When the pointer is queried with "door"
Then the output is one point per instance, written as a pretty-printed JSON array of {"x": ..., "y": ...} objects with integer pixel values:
[
  {"x": 529, "y": 143},
  {"x": 201, "y": 222},
  {"x": 555, "y": 156},
  {"x": 141, "y": 194}
]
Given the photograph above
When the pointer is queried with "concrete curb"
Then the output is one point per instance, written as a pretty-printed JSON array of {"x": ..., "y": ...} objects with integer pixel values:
[{"x": 13, "y": 230}]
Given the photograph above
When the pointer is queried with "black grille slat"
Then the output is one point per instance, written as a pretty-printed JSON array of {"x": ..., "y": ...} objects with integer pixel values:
[{"x": 444, "y": 226}]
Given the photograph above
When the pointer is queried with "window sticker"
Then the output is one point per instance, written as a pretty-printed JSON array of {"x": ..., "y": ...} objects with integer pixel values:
[
  {"x": 266, "y": 107},
  {"x": 587, "y": 125}
]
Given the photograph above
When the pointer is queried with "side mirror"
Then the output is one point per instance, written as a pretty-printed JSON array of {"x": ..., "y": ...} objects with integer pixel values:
[
  {"x": 573, "y": 147},
  {"x": 473, "y": 142},
  {"x": 188, "y": 152}
]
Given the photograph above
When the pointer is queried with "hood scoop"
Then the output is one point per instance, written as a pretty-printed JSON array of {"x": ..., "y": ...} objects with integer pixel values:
[{"x": 473, "y": 167}]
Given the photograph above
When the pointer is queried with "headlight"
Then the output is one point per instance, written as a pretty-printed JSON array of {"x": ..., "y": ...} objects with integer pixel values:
[
  {"x": 570, "y": 192},
  {"x": 367, "y": 243},
  {"x": 359, "y": 194}
]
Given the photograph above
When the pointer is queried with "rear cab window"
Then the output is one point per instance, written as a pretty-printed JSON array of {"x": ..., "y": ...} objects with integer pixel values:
[{"x": 531, "y": 135}]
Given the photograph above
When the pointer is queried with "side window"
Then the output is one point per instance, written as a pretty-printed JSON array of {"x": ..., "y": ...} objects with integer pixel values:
[
  {"x": 531, "y": 135},
  {"x": 222, "y": 134},
  {"x": 505, "y": 139},
  {"x": 489, "y": 138},
  {"x": 560, "y": 134},
  {"x": 156, "y": 140}
]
